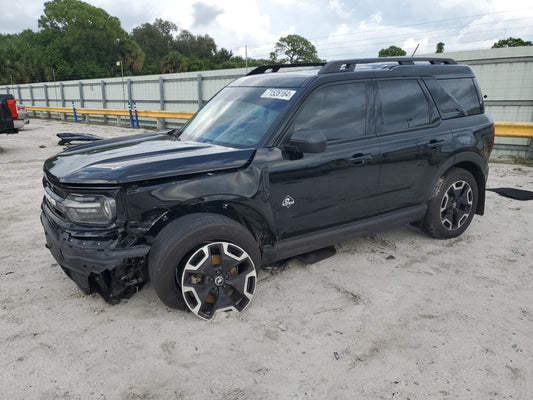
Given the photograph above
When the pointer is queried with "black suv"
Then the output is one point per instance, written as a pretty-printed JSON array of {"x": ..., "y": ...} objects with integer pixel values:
[{"x": 275, "y": 165}]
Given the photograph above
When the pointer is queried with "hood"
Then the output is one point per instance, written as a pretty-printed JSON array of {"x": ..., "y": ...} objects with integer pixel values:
[{"x": 141, "y": 157}]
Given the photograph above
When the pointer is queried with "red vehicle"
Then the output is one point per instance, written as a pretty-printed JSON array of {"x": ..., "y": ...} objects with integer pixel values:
[{"x": 9, "y": 122}]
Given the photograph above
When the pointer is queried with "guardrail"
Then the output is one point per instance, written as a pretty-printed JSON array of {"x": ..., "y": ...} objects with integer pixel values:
[
  {"x": 514, "y": 129},
  {"x": 105, "y": 111},
  {"x": 160, "y": 116}
]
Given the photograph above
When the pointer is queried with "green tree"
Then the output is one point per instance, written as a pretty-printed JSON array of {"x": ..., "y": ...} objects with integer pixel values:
[
  {"x": 294, "y": 49},
  {"x": 392, "y": 51},
  {"x": 224, "y": 55},
  {"x": 440, "y": 47},
  {"x": 511, "y": 42},
  {"x": 174, "y": 62},
  {"x": 200, "y": 46},
  {"x": 87, "y": 39},
  {"x": 155, "y": 40},
  {"x": 21, "y": 58},
  {"x": 78, "y": 41}
]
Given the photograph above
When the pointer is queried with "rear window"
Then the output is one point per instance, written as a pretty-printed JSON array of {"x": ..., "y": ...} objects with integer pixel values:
[{"x": 464, "y": 91}]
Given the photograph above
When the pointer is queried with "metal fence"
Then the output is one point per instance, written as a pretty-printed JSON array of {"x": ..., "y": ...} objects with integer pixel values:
[{"x": 183, "y": 92}]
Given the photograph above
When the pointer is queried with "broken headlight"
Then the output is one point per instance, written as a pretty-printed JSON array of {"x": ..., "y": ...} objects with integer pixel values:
[{"x": 89, "y": 209}]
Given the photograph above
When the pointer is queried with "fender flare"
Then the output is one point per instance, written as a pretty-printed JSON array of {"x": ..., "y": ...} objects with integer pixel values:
[{"x": 474, "y": 163}]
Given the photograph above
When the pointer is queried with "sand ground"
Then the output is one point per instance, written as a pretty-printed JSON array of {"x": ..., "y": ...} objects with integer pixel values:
[{"x": 395, "y": 315}]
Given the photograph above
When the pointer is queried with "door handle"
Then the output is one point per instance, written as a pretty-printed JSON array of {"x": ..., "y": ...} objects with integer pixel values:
[
  {"x": 435, "y": 143},
  {"x": 360, "y": 158}
]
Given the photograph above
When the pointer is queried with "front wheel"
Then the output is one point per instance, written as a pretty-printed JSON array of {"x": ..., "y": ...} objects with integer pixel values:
[
  {"x": 218, "y": 277},
  {"x": 453, "y": 205},
  {"x": 205, "y": 262}
]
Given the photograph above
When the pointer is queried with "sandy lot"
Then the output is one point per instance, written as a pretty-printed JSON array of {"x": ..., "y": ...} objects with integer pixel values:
[{"x": 396, "y": 315}]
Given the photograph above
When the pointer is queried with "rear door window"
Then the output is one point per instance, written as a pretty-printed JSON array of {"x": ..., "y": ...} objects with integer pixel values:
[{"x": 402, "y": 105}]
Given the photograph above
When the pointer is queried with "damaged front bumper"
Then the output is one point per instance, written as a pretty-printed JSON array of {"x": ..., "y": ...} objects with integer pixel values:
[{"x": 114, "y": 268}]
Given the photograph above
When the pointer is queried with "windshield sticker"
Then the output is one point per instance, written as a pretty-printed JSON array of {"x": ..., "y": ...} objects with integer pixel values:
[{"x": 281, "y": 94}]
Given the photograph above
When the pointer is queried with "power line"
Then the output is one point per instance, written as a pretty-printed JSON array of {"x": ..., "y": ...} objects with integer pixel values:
[
  {"x": 237, "y": 47},
  {"x": 422, "y": 32},
  {"x": 425, "y": 23},
  {"x": 419, "y": 37},
  {"x": 325, "y": 49}
]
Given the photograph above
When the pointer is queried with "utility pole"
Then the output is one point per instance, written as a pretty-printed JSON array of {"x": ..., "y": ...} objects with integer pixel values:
[
  {"x": 55, "y": 86},
  {"x": 122, "y": 74},
  {"x": 246, "y": 56}
]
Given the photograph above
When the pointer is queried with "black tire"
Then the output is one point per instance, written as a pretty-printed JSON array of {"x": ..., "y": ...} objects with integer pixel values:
[
  {"x": 180, "y": 239},
  {"x": 452, "y": 206}
]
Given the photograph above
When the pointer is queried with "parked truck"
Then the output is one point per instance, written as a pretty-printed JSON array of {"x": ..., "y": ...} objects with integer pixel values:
[{"x": 8, "y": 114}]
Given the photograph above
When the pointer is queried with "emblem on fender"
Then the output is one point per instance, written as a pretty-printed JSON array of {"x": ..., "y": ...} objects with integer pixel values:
[{"x": 287, "y": 201}]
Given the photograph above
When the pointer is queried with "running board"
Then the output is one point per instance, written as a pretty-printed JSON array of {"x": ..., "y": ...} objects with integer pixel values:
[{"x": 312, "y": 241}]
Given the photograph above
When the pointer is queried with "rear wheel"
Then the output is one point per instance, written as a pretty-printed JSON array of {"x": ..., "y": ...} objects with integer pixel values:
[
  {"x": 453, "y": 206},
  {"x": 204, "y": 262}
]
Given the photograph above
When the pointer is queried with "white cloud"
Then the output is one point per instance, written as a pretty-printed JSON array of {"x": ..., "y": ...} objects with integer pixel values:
[
  {"x": 338, "y": 28},
  {"x": 205, "y": 14},
  {"x": 339, "y": 8}
]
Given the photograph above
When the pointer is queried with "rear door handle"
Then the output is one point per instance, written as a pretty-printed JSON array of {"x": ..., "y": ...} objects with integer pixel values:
[
  {"x": 435, "y": 143},
  {"x": 360, "y": 158}
]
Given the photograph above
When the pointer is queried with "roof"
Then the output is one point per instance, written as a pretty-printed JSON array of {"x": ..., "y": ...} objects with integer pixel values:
[
  {"x": 286, "y": 75},
  {"x": 277, "y": 79}
]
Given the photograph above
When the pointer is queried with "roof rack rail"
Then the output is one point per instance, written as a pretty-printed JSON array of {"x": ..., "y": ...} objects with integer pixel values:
[
  {"x": 276, "y": 67},
  {"x": 349, "y": 65}
]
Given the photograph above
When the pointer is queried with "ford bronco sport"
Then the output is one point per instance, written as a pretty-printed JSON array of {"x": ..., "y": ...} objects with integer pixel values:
[{"x": 275, "y": 165}]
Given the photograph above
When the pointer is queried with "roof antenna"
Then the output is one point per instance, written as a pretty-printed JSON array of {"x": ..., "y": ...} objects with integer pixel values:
[{"x": 412, "y": 55}]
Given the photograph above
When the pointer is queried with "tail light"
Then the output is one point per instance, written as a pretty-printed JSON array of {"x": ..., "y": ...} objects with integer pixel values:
[
  {"x": 12, "y": 105},
  {"x": 21, "y": 107}
]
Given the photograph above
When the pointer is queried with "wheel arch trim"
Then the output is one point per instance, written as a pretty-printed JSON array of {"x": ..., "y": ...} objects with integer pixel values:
[{"x": 471, "y": 162}]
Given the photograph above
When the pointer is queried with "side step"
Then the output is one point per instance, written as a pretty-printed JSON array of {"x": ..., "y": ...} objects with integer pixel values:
[{"x": 294, "y": 246}]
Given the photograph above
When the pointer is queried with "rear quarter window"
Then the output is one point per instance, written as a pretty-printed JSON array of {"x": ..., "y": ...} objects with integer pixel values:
[{"x": 465, "y": 93}]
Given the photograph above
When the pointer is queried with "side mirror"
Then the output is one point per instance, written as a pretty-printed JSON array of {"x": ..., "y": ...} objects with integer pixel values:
[{"x": 308, "y": 141}]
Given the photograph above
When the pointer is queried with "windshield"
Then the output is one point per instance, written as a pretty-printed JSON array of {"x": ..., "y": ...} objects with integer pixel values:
[{"x": 238, "y": 116}]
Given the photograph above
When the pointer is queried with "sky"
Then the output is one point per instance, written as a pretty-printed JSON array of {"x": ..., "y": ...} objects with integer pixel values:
[{"x": 338, "y": 28}]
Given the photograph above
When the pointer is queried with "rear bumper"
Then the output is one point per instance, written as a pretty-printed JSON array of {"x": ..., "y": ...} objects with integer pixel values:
[
  {"x": 24, "y": 116},
  {"x": 96, "y": 265}
]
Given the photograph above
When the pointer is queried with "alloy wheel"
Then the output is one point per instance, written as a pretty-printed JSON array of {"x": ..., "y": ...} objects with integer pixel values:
[
  {"x": 456, "y": 205},
  {"x": 218, "y": 277}
]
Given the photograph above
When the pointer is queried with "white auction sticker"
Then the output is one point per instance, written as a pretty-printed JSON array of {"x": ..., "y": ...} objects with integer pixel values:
[{"x": 282, "y": 94}]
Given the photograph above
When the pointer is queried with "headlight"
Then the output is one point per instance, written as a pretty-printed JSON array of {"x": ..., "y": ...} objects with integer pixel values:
[{"x": 89, "y": 209}]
